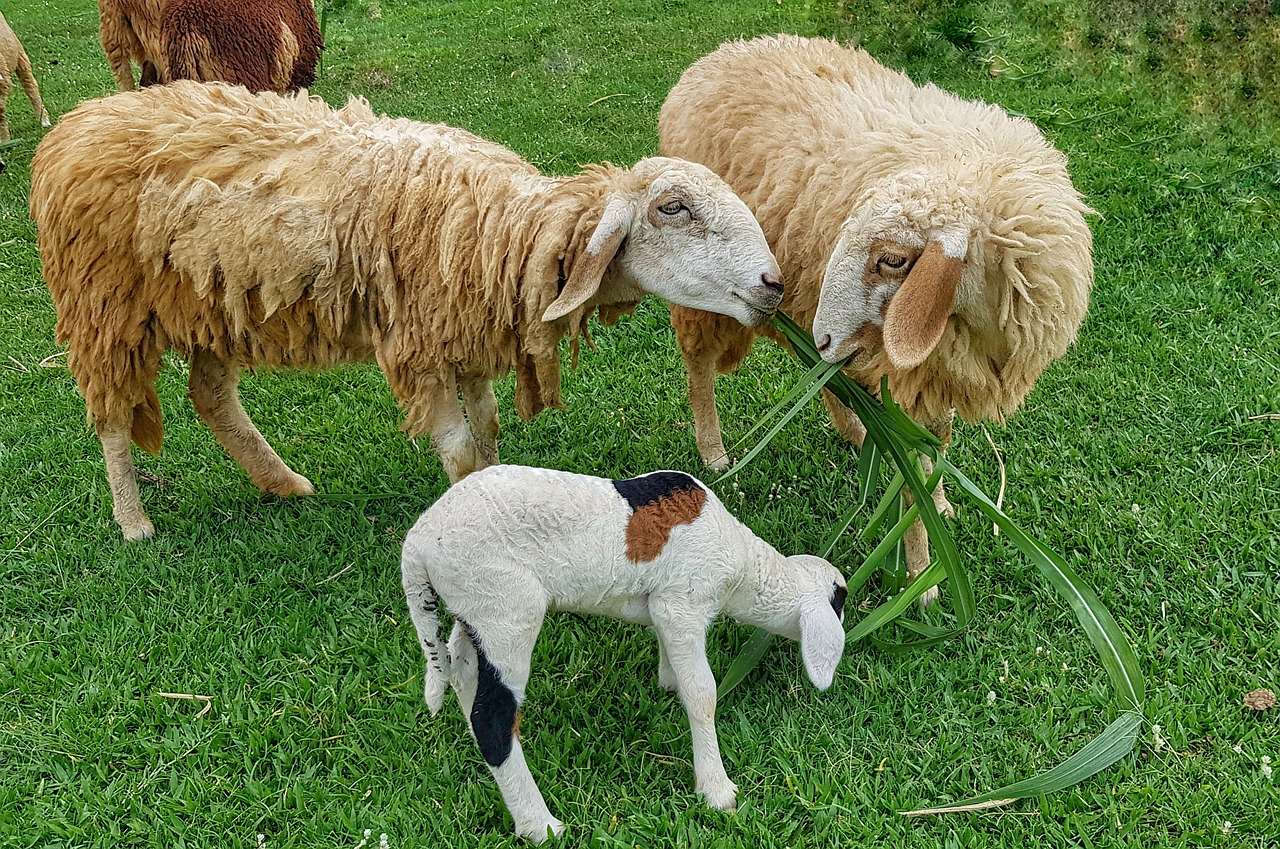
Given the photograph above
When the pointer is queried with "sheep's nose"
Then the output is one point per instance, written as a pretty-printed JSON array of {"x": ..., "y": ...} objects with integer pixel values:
[
  {"x": 772, "y": 281},
  {"x": 824, "y": 343}
]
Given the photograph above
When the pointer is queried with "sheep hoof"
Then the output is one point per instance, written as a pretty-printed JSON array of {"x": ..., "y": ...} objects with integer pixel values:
[
  {"x": 930, "y": 598},
  {"x": 291, "y": 484},
  {"x": 138, "y": 529},
  {"x": 541, "y": 832},
  {"x": 718, "y": 463},
  {"x": 724, "y": 798}
]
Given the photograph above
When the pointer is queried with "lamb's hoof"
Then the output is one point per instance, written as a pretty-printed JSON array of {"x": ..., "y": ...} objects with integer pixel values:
[
  {"x": 138, "y": 529},
  {"x": 722, "y": 798},
  {"x": 541, "y": 832}
]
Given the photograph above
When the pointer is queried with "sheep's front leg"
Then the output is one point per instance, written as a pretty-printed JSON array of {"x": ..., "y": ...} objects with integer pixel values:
[
  {"x": 916, "y": 540},
  {"x": 214, "y": 391},
  {"x": 684, "y": 645},
  {"x": 482, "y": 416},
  {"x": 450, "y": 435},
  {"x": 126, "y": 504}
]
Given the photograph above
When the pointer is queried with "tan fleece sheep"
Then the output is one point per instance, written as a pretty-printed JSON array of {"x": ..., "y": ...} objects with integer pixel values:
[
  {"x": 241, "y": 229},
  {"x": 264, "y": 45},
  {"x": 14, "y": 59},
  {"x": 934, "y": 240},
  {"x": 130, "y": 33}
]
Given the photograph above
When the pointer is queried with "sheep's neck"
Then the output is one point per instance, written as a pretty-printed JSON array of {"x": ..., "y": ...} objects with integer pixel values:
[{"x": 766, "y": 596}]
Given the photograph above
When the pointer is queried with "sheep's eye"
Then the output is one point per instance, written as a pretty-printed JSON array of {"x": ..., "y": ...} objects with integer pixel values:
[
  {"x": 673, "y": 207},
  {"x": 893, "y": 260}
]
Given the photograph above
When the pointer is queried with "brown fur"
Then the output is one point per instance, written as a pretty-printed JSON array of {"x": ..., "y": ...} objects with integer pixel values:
[
  {"x": 264, "y": 45},
  {"x": 650, "y": 526},
  {"x": 13, "y": 59}
]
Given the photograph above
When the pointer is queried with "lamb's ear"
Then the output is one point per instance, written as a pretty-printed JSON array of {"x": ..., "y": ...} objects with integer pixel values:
[
  {"x": 919, "y": 311},
  {"x": 821, "y": 639},
  {"x": 588, "y": 270}
]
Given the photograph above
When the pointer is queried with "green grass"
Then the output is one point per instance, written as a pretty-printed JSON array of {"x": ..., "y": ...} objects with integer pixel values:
[{"x": 1141, "y": 457}]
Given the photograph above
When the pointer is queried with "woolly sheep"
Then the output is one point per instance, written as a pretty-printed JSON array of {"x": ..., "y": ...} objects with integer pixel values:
[
  {"x": 265, "y": 230},
  {"x": 264, "y": 45},
  {"x": 934, "y": 240},
  {"x": 509, "y": 543},
  {"x": 130, "y": 33},
  {"x": 14, "y": 59}
]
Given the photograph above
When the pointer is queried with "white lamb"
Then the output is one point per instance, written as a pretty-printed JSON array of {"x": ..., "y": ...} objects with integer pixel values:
[
  {"x": 509, "y": 543},
  {"x": 245, "y": 229},
  {"x": 934, "y": 240}
]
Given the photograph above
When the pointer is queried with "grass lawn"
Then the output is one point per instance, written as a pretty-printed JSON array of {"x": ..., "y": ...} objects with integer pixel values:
[{"x": 1147, "y": 457}]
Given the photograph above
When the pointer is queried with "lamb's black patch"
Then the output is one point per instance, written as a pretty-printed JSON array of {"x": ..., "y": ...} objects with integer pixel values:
[
  {"x": 493, "y": 716},
  {"x": 837, "y": 600},
  {"x": 649, "y": 488}
]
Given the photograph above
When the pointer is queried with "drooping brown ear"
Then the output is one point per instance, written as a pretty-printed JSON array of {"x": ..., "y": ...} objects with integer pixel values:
[
  {"x": 588, "y": 270},
  {"x": 919, "y": 311}
]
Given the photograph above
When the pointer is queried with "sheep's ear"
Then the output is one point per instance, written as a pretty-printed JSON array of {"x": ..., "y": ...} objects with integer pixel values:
[
  {"x": 588, "y": 270},
  {"x": 919, "y": 311},
  {"x": 821, "y": 639}
]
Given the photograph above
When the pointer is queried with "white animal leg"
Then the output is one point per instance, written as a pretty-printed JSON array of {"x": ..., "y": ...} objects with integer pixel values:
[
  {"x": 497, "y": 658},
  {"x": 450, "y": 435},
  {"x": 213, "y": 389},
  {"x": 666, "y": 675},
  {"x": 482, "y": 416},
  {"x": 684, "y": 645},
  {"x": 126, "y": 503}
]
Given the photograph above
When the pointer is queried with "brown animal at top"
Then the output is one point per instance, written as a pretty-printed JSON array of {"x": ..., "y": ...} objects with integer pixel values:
[
  {"x": 14, "y": 58},
  {"x": 130, "y": 33},
  {"x": 263, "y": 45},
  {"x": 931, "y": 240}
]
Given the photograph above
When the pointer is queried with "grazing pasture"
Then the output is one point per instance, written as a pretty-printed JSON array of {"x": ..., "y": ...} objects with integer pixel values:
[{"x": 252, "y": 670}]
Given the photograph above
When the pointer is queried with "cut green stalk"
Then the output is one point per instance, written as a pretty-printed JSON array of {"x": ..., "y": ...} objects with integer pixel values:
[{"x": 891, "y": 433}]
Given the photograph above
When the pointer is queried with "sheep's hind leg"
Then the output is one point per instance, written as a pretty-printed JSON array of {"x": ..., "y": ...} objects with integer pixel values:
[
  {"x": 213, "y": 388},
  {"x": 482, "y": 416},
  {"x": 490, "y": 691},
  {"x": 126, "y": 503}
]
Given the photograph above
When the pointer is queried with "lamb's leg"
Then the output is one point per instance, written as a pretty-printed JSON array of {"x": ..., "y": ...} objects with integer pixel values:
[
  {"x": 213, "y": 391},
  {"x": 684, "y": 644},
  {"x": 126, "y": 503},
  {"x": 491, "y": 687},
  {"x": 482, "y": 416}
]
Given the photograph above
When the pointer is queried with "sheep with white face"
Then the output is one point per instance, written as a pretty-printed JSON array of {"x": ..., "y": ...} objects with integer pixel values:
[{"x": 509, "y": 543}]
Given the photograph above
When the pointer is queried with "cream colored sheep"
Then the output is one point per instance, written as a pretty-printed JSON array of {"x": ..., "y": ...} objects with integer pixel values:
[
  {"x": 130, "y": 33},
  {"x": 934, "y": 240},
  {"x": 241, "y": 230},
  {"x": 14, "y": 59}
]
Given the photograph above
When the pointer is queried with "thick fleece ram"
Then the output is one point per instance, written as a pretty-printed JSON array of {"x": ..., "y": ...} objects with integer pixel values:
[
  {"x": 265, "y": 230},
  {"x": 510, "y": 543},
  {"x": 933, "y": 240}
]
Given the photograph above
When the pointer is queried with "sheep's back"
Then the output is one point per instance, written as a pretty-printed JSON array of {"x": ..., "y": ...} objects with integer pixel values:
[{"x": 274, "y": 230}]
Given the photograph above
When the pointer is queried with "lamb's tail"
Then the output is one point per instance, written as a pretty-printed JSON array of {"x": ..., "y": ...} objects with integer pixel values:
[
  {"x": 28, "y": 82},
  {"x": 424, "y": 609}
]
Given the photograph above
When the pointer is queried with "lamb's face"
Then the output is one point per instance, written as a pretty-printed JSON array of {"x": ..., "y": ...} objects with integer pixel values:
[
  {"x": 890, "y": 285},
  {"x": 693, "y": 242}
]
